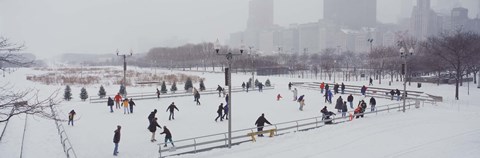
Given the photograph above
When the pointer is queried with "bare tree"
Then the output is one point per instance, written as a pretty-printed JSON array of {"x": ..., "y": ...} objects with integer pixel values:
[
  {"x": 327, "y": 57},
  {"x": 15, "y": 102},
  {"x": 458, "y": 49},
  {"x": 381, "y": 58}
]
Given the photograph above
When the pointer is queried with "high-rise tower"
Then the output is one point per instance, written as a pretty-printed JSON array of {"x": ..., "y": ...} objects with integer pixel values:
[
  {"x": 424, "y": 21},
  {"x": 260, "y": 15},
  {"x": 352, "y": 14}
]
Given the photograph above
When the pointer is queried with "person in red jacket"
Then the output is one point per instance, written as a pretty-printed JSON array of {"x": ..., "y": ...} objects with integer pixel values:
[
  {"x": 279, "y": 97},
  {"x": 322, "y": 86},
  {"x": 117, "y": 99}
]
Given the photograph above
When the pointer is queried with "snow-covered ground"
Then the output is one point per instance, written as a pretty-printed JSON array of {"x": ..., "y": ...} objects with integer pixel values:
[{"x": 448, "y": 129}]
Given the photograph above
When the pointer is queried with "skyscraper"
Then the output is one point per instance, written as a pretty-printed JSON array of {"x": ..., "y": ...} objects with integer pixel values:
[
  {"x": 260, "y": 15},
  {"x": 423, "y": 21},
  {"x": 460, "y": 18},
  {"x": 353, "y": 14}
]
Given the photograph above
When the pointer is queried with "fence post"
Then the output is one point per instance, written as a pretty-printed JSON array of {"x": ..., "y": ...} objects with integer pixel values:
[
  {"x": 194, "y": 145},
  {"x": 297, "y": 124},
  {"x": 160, "y": 150},
  {"x": 316, "y": 122},
  {"x": 225, "y": 135}
]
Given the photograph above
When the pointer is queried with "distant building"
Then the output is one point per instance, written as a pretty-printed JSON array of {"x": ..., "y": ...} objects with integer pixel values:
[
  {"x": 459, "y": 18},
  {"x": 352, "y": 14},
  {"x": 260, "y": 15},
  {"x": 309, "y": 36},
  {"x": 424, "y": 21}
]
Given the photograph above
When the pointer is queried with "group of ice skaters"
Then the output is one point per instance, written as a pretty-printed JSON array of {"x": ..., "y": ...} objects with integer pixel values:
[
  {"x": 341, "y": 105},
  {"x": 126, "y": 103}
]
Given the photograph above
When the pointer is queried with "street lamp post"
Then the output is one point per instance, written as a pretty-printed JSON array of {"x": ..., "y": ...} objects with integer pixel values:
[
  {"x": 405, "y": 55},
  {"x": 124, "y": 69},
  {"x": 229, "y": 56},
  {"x": 253, "y": 67},
  {"x": 334, "y": 63}
]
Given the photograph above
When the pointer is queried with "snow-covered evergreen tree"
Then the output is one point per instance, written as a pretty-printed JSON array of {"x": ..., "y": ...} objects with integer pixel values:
[
  {"x": 164, "y": 88},
  {"x": 122, "y": 91},
  {"x": 68, "y": 93},
  {"x": 202, "y": 86},
  {"x": 102, "y": 93},
  {"x": 174, "y": 87},
  {"x": 188, "y": 84},
  {"x": 267, "y": 83},
  {"x": 83, "y": 94}
]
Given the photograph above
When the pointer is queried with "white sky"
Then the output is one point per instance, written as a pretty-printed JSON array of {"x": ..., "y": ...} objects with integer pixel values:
[{"x": 51, "y": 27}]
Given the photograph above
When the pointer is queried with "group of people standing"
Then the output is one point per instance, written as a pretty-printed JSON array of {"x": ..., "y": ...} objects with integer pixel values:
[{"x": 126, "y": 103}]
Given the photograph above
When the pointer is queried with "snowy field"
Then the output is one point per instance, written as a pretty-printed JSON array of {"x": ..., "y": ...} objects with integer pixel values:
[{"x": 448, "y": 129}]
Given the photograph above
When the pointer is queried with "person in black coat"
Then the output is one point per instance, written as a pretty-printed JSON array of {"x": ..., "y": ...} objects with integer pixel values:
[
  {"x": 243, "y": 85},
  {"x": 260, "y": 123},
  {"x": 260, "y": 87},
  {"x": 71, "y": 114},
  {"x": 168, "y": 136},
  {"x": 219, "y": 89},
  {"x": 116, "y": 139},
  {"x": 289, "y": 85},
  {"x": 350, "y": 100},
  {"x": 326, "y": 115},
  {"x": 343, "y": 88},
  {"x": 219, "y": 112},
  {"x": 339, "y": 104},
  {"x": 171, "y": 108},
  {"x": 153, "y": 128},
  {"x": 326, "y": 87},
  {"x": 397, "y": 92},
  {"x": 131, "y": 104},
  {"x": 344, "y": 109},
  {"x": 392, "y": 92},
  {"x": 364, "y": 107},
  {"x": 373, "y": 102},
  {"x": 197, "y": 97},
  {"x": 110, "y": 103},
  {"x": 335, "y": 88},
  {"x": 152, "y": 116},
  {"x": 158, "y": 93}
]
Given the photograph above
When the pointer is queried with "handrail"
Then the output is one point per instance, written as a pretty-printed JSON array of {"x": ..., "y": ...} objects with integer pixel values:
[
  {"x": 66, "y": 144},
  {"x": 297, "y": 126},
  {"x": 417, "y": 96},
  {"x": 23, "y": 137},
  {"x": 6, "y": 124},
  {"x": 169, "y": 95}
]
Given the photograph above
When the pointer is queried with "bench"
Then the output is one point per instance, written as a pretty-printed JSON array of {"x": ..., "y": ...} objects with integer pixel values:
[{"x": 253, "y": 134}]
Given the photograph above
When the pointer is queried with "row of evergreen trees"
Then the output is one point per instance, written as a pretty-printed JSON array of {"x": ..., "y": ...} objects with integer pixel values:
[{"x": 102, "y": 93}]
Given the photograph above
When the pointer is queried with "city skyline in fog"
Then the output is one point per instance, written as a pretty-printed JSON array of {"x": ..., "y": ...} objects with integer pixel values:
[{"x": 53, "y": 27}]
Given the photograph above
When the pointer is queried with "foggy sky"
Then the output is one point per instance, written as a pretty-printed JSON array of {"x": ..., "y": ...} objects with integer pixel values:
[{"x": 52, "y": 27}]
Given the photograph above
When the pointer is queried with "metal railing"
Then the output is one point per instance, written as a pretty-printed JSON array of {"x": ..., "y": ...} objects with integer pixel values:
[
  {"x": 153, "y": 95},
  {"x": 67, "y": 146},
  {"x": 219, "y": 140},
  {"x": 376, "y": 92},
  {"x": 23, "y": 136},
  {"x": 6, "y": 124}
]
